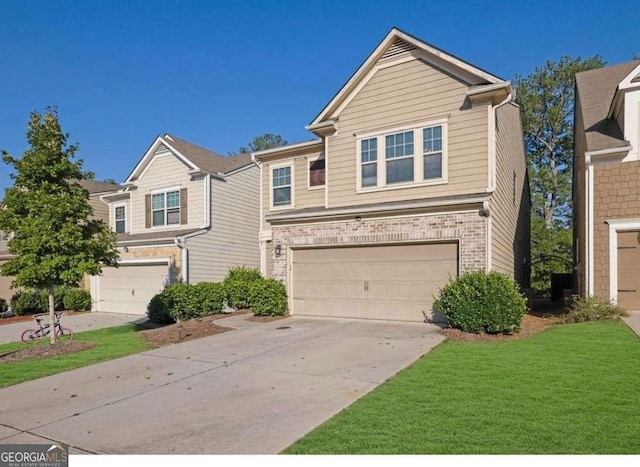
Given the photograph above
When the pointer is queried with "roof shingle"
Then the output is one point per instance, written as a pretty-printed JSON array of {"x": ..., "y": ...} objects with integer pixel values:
[{"x": 206, "y": 160}]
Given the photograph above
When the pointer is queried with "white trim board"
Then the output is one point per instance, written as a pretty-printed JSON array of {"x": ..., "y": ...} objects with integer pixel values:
[{"x": 615, "y": 226}]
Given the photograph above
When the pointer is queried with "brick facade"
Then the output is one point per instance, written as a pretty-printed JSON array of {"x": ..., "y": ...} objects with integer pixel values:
[
  {"x": 469, "y": 228},
  {"x": 616, "y": 196}
]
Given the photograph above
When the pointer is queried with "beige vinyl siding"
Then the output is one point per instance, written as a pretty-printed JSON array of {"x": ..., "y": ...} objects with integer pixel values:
[
  {"x": 510, "y": 223},
  {"x": 100, "y": 208},
  {"x": 233, "y": 237},
  {"x": 404, "y": 94},
  {"x": 167, "y": 171},
  {"x": 579, "y": 217},
  {"x": 127, "y": 212}
]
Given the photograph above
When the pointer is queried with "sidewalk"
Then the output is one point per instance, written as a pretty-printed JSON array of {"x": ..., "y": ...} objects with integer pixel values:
[{"x": 633, "y": 321}]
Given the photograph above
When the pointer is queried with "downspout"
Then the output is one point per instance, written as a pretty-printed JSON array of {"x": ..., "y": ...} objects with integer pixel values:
[
  {"x": 493, "y": 112},
  {"x": 184, "y": 258},
  {"x": 261, "y": 242}
]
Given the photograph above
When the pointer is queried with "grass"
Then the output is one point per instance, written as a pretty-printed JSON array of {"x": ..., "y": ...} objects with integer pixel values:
[
  {"x": 110, "y": 343},
  {"x": 571, "y": 389}
]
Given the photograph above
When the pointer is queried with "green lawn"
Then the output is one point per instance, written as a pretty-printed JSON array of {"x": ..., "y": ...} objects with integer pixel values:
[
  {"x": 110, "y": 343},
  {"x": 570, "y": 389}
]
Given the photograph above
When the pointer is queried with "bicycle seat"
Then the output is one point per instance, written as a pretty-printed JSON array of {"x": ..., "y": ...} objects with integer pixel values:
[{"x": 38, "y": 319}]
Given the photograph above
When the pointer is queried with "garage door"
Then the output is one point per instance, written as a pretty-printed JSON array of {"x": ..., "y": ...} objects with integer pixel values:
[
  {"x": 129, "y": 288},
  {"x": 396, "y": 282},
  {"x": 629, "y": 270}
]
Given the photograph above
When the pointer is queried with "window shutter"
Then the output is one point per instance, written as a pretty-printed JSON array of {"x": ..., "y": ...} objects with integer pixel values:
[
  {"x": 183, "y": 206},
  {"x": 147, "y": 211}
]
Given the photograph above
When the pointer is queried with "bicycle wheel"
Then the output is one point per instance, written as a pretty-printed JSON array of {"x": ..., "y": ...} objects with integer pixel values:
[
  {"x": 30, "y": 336},
  {"x": 64, "y": 335}
]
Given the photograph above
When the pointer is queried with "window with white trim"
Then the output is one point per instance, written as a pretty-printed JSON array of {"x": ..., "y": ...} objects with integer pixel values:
[
  {"x": 120, "y": 219},
  {"x": 403, "y": 163},
  {"x": 281, "y": 186},
  {"x": 165, "y": 208}
]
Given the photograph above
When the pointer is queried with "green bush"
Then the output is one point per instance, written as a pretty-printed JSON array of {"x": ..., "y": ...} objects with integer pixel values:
[
  {"x": 593, "y": 309},
  {"x": 477, "y": 301},
  {"x": 58, "y": 298},
  {"x": 77, "y": 300},
  {"x": 3, "y": 305},
  {"x": 268, "y": 297},
  {"x": 159, "y": 309},
  {"x": 208, "y": 298},
  {"x": 29, "y": 302},
  {"x": 237, "y": 283}
]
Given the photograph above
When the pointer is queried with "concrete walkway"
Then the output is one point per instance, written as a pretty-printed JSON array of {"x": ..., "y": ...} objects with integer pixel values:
[
  {"x": 633, "y": 321},
  {"x": 80, "y": 322},
  {"x": 256, "y": 389}
]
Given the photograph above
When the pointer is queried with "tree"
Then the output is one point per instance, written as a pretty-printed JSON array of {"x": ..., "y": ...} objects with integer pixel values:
[
  {"x": 262, "y": 142},
  {"x": 110, "y": 180},
  {"x": 54, "y": 241},
  {"x": 546, "y": 99}
]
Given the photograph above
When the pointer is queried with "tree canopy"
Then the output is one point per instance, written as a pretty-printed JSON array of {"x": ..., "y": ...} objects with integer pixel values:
[
  {"x": 262, "y": 142},
  {"x": 54, "y": 238}
]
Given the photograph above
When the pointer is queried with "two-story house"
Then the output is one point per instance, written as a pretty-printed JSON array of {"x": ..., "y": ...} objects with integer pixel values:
[
  {"x": 606, "y": 199},
  {"x": 417, "y": 174},
  {"x": 183, "y": 214}
]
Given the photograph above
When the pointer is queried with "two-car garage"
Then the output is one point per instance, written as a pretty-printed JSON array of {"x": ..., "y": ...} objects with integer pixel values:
[{"x": 392, "y": 282}]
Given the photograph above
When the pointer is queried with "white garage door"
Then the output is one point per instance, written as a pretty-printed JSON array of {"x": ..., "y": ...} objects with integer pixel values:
[
  {"x": 395, "y": 282},
  {"x": 128, "y": 288}
]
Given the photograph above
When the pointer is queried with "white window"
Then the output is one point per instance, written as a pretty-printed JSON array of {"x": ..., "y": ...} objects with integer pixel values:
[
  {"x": 399, "y": 155},
  {"x": 120, "y": 219},
  {"x": 369, "y": 161},
  {"x": 403, "y": 165},
  {"x": 281, "y": 186},
  {"x": 165, "y": 208}
]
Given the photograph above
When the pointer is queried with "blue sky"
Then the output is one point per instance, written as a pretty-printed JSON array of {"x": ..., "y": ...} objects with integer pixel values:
[{"x": 218, "y": 73}]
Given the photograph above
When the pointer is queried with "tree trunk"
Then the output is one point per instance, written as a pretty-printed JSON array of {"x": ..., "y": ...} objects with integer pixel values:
[{"x": 52, "y": 316}]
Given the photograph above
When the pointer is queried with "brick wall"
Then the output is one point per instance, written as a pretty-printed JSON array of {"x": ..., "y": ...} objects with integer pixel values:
[
  {"x": 468, "y": 227},
  {"x": 616, "y": 196}
]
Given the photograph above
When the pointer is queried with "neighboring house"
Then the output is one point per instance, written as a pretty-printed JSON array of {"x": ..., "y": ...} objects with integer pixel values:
[
  {"x": 606, "y": 178},
  {"x": 184, "y": 214},
  {"x": 100, "y": 210},
  {"x": 418, "y": 174}
]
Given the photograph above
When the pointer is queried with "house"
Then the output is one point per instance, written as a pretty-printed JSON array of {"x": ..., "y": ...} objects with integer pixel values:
[
  {"x": 96, "y": 189},
  {"x": 606, "y": 177},
  {"x": 417, "y": 174},
  {"x": 184, "y": 213}
]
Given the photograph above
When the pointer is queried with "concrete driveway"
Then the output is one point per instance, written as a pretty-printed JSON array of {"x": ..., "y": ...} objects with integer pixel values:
[
  {"x": 80, "y": 322},
  {"x": 256, "y": 389}
]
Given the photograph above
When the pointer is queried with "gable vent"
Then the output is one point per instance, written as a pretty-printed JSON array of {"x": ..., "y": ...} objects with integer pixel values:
[
  {"x": 161, "y": 148},
  {"x": 398, "y": 47}
]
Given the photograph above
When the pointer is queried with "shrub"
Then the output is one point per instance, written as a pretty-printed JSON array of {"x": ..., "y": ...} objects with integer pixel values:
[
  {"x": 237, "y": 283},
  {"x": 179, "y": 298},
  {"x": 477, "y": 301},
  {"x": 208, "y": 298},
  {"x": 58, "y": 298},
  {"x": 593, "y": 309},
  {"x": 159, "y": 309},
  {"x": 268, "y": 297},
  {"x": 77, "y": 300},
  {"x": 29, "y": 302},
  {"x": 3, "y": 305}
]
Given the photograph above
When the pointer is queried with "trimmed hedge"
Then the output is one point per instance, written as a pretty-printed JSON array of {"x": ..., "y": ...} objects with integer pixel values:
[
  {"x": 477, "y": 301},
  {"x": 27, "y": 302},
  {"x": 77, "y": 300},
  {"x": 37, "y": 301},
  {"x": 237, "y": 283},
  {"x": 180, "y": 302},
  {"x": 268, "y": 297}
]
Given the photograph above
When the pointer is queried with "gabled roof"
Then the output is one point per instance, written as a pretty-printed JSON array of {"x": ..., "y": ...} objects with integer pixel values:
[
  {"x": 94, "y": 186},
  {"x": 397, "y": 42},
  {"x": 195, "y": 157},
  {"x": 596, "y": 90}
]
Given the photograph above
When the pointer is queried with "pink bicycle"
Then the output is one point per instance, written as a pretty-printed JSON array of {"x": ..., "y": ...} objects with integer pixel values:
[{"x": 33, "y": 335}]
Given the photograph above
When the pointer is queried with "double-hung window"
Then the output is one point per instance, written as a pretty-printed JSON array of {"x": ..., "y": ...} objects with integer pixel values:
[
  {"x": 165, "y": 208},
  {"x": 281, "y": 186},
  {"x": 369, "y": 161},
  {"x": 120, "y": 219},
  {"x": 432, "y": 152},
  {"x": 399, "y": 155}
]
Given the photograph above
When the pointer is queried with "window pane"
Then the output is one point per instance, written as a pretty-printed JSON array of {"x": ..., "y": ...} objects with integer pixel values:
[
  {"x": 119, "y": 226},
  {"x": 433, "y": 166},
  {"x": 158, "y": 217},
  {"x": 120, "y": 213},
  {"x": 173, "y": 216},
  {"x": 369, "y": 150},
  {"x": 173, "y": 199},
  {"x": 399, "y": 145},
  {"x": 316, "y": 173},
  {"x": 282, "y": 196},
  {"x": 432, "y": 138},
  {"x": 400, "y": 171},
  {"x": 157, "y": 201},
  {"x": 370, "y": 174},
  {"x": 282, "y": 176}
]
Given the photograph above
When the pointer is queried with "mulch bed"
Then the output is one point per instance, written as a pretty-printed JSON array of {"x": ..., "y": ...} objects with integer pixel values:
[
  {"x": 266, "y": 319},
  {"x": 183, "y": 331},
  {"x": 45, "y": 350},
  {"x": 531, "y": 324}
]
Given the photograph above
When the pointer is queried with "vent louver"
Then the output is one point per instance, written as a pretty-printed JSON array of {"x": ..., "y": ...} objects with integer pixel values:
[{"x": 397, "y": 48}]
